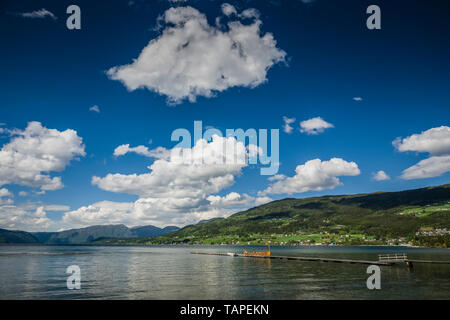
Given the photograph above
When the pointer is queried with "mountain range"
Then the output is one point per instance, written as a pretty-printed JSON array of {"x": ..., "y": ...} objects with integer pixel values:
[
  {"x": 347, "y": 219},
  {"x": 374, "y": 218}
]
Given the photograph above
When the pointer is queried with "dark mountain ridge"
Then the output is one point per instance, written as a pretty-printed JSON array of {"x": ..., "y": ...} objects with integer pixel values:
[
  {"x": 379, "y": 215},
  {"x": 83, "y": 235}
]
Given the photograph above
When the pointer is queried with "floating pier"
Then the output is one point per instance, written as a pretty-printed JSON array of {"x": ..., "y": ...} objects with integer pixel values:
[
  {"x": 429, "y": 261},
  {"x": 315, "y": 259},
  {"x": 383, "y": 260}
]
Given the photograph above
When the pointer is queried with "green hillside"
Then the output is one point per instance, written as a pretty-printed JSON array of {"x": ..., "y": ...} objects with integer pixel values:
[
  {"x": 420, "y": 216},
  {"x": 89, "y": 234},
  {"x": 83, "y": 235},
  {"x": 9, "y": 236},
  {"x": 348, "y": 219}
]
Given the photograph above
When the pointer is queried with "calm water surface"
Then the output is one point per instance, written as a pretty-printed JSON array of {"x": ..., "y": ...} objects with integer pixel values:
[{"x": 38, "y": 272}]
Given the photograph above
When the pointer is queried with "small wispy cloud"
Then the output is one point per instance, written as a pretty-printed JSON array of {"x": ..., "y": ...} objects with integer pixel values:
[
  {"x": 314, "y": 126},
  {"x": 308, "y": 1},
  {"x": 38, "y": 14},
  {"x": 287, "y": 124},
  {"x": 5, "y": 193},
  {"x": 357, "y": 98},
  {"x": 157, "y": 153},
  {"x": 380, "y": 176},
  {"x": 95, "y": 108}
]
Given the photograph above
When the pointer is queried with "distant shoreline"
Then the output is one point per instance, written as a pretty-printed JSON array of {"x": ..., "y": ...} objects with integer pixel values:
[{"x": 205, "y": 245}]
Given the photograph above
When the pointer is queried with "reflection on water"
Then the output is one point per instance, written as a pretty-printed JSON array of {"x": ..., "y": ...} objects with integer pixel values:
[{"x": 38, "y": 272}]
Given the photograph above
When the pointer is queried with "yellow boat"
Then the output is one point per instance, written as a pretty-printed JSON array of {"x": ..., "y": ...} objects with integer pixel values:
[{"x": 258, "y": 253}]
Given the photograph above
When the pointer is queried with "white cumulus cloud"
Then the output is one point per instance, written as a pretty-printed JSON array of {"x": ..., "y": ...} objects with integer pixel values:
[
  {"x": 34, "y": 152},
  {"x": 192, "y": 58},
  {"x": 20, "y": 217},
  {"x": 103, "y": 212},
  {"x": 5, "y": 193},
  {"x": 428, "y": 168},
  {"x": 228, "y": 9},
  {"x": 178, "y": 190},
  {"x": 314, "y": 126},
  {"x": 234, "y": 199},
  {"x": 189, "y": 172},
  {"x": 314, "y": 175},
  {"x": 436, "y": 142},
  {"x": 277, "y": 177}
]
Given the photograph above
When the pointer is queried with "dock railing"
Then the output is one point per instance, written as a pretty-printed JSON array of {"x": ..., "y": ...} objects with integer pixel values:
[{"x": 397, "y": 257}]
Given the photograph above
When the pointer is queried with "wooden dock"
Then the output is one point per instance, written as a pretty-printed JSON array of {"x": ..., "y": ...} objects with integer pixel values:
[
  {"x": 429, "y": 261},
  {"x": 314, "y": 259},
  {"x": 383, "y": 260},
  {"x": 399, "y": 258}
]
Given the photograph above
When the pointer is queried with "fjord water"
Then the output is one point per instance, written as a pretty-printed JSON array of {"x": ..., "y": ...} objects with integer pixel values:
[{"x": 172, "y": 272}]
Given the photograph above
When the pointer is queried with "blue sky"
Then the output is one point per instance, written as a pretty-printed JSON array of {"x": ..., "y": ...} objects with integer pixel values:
[{"x": 326, "y": 58}]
